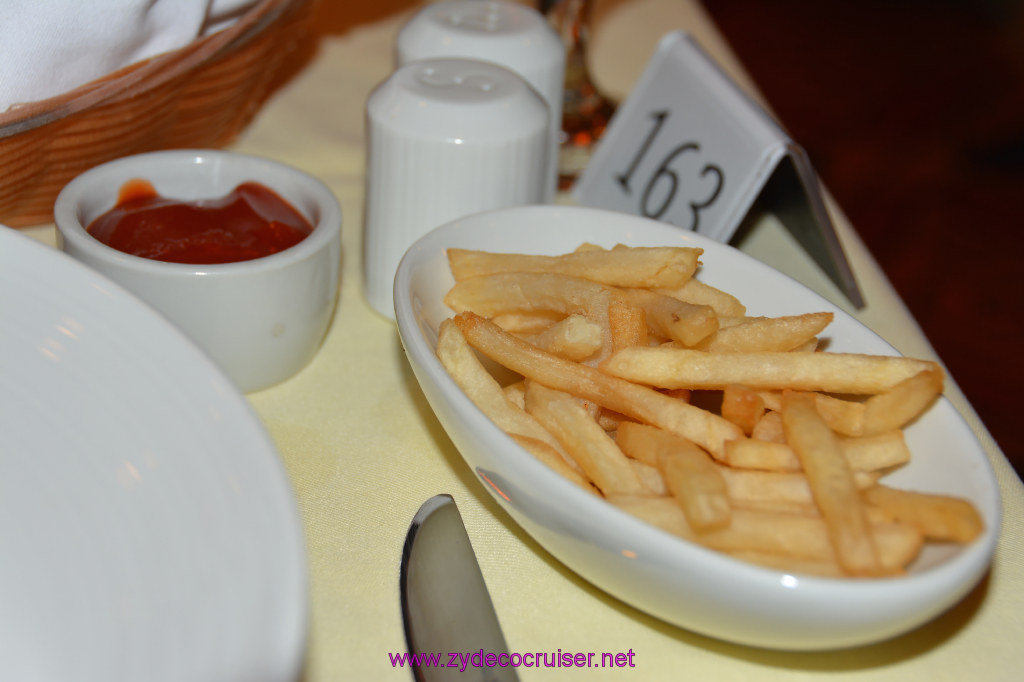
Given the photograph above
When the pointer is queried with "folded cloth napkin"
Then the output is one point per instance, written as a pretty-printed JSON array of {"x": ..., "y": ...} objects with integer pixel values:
[{"x": 48, "y": 47}]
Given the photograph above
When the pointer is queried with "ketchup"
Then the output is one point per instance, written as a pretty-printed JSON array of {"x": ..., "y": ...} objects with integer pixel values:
[{"x": 250, "y": 222}]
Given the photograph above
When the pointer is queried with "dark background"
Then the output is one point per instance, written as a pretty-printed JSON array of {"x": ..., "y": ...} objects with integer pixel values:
[{"x": 912, "y": 113}]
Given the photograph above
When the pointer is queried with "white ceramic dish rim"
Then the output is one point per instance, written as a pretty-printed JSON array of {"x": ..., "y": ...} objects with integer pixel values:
[
  {"x": 108, "y": 178},
  {"x": 265, "y": 485},
  {"x": 960, "y": 573}
]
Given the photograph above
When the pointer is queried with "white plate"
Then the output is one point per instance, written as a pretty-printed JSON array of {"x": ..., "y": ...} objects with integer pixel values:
[
  {"x": 147, "y": 528},
  {"x": 670, "y": 578}
]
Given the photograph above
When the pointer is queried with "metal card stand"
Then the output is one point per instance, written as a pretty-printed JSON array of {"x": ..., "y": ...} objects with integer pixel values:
[
  {"x": 793, "y": 194},
  {"x": 688, "y": 147}
]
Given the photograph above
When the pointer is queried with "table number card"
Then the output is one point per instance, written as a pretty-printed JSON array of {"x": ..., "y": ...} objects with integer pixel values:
[{"x": 688, "y": 147}]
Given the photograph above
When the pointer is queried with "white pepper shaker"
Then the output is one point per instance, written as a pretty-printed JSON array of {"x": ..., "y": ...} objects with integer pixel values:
[
  {"x": 513, "y": 35},
  {"x": 445, "y": 138}
]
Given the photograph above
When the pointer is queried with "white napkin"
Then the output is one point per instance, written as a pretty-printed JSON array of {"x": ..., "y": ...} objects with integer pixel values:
[{"x": 48, "y": 47}]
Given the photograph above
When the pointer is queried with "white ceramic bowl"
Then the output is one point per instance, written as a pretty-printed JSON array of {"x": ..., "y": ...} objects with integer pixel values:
[
  {"x": 261, "y": 320},
  {"x": 668, "y": 577}
]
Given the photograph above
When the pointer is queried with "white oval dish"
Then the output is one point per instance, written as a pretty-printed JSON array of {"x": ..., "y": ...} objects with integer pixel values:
[
  {"x": 149, "y": 530},
  {"x": 665, "y": 576}
]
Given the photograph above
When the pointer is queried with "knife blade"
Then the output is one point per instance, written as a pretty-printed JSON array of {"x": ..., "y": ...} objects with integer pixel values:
[{"x": 450, "y": 622}]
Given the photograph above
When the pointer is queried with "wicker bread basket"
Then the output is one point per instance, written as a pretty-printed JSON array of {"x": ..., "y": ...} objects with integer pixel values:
[{"x": 201, "y": 95}]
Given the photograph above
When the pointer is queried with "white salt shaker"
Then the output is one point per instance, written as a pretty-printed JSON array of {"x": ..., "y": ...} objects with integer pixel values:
[
  {"x": 513, "y": 35},
  {"x": 445, "y": 138}
]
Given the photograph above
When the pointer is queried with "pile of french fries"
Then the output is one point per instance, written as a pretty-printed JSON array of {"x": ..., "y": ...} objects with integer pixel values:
[{"x": 622, "y": 371}]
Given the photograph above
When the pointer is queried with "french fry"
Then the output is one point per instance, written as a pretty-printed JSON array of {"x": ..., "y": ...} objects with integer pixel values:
[
  {"x": 769, "y": 428},
  {"x": 726, "y": 321},
  {"x": 650, "y": 477},
  {"x": 832, "y": 484},
  {"x": 782, "y": 506},
  {"x": 809, "y": 346},
  {"x": 939, "y": 517},
  {"x": 516, "y": 393},
  {"x": 845, "y": 417},
  {"x": 636, "y": 442},
  {"x": 742, "y": 406},
  {"x": 643, "y": 404},
  {"x": 805, "y": 538},
  {"x": 792, "y": 487},
  {"x": 671, "y": 318},
  {"x": 462, "y": 364},
  {"x": 527, "y": 292},
  {"x": 772, "y": 398},
  {"x": 864, "y": 453},
  {"x": 902, "y": 403},
  {"x": 828, "y": 372},
  {"x": 697, "y": 292},
  {"x": 533, "y": 293},
  {"x": 766, "y": 334},
  {"x": 527, "y": 323},
  {"x": 627, "y": 324},
  {"x": 698, "y": 488},
  {"x": 694, "y": 480},
  {"x": 594, "y": 451},
  {"x": 877, "y": 452},
  {"x": 659, "y": 266},
  {"x": 683, "y": 394},
  {"x": 573, "y": 338},
  {"x": 609, "y": 419},
  {"x": 760, "y": 455},
  {"x": 554, "y": 460}
]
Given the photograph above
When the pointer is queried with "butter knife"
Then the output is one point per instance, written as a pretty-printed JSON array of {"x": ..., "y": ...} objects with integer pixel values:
[{"x": 451, "y": 629}]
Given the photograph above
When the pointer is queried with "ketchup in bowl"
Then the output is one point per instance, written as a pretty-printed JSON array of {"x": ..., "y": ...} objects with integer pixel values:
[{"x": 250, "y": 222}]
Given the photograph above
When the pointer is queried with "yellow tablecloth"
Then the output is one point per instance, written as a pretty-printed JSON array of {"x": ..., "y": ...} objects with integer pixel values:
[{"x": 364, "y": 450}]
